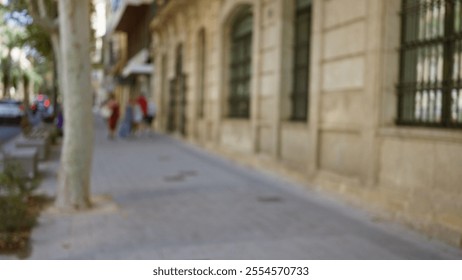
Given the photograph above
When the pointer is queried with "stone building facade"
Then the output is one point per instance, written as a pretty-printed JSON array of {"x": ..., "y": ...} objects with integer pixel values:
[{"x": 313, "y": 87}]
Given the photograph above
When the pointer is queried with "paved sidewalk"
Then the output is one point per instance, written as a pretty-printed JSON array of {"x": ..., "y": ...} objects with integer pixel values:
[{"x": 158, "y": 198}]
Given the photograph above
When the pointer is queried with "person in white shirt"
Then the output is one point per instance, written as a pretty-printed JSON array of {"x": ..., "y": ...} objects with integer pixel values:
[{"x": 150, "y": 116}]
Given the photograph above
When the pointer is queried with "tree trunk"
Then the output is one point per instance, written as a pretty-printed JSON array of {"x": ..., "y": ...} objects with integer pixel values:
[
  {"x": 55, "y": 43},
  {"x": 6, "y": 81},
  {"x": 26, "y": 101},
  {"x": 74, "y": 177},
  {"x": 6, "y": 75},
  {"x": 25, "y": 126}
]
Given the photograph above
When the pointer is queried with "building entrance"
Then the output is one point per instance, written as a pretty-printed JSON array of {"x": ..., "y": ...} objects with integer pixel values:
[
  {"x": 177, "y": 119},
  {"x": 177, "y": 105}
]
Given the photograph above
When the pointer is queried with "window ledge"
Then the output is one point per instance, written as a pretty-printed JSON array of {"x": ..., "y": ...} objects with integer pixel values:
[
  {"x": 236, "y": 120},
  {"x": 295, "y": 124},
  {"x": 437, "y": 134}
]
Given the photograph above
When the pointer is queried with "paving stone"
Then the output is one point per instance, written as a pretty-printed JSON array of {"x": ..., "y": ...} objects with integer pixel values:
[{"x": 175, "y": 201}]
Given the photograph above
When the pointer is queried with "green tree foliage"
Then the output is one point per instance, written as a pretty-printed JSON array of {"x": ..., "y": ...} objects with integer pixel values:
[
  {"x": 19, "y": 31},
  {"x": 12, "y": 36}
]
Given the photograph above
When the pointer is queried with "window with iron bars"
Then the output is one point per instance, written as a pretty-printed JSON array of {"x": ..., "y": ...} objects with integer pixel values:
[
  {"x": 430, "y": 87},
  {"x": 240, "y": 66},
  {"x": 302, "y": 39},
  {"x": 202, "y": 72}
]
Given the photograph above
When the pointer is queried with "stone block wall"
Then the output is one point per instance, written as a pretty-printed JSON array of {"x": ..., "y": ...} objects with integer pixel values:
[{"x": 350, "y": 144}]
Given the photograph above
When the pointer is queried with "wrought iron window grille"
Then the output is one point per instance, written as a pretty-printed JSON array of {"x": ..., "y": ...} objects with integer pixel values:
[
  {"x": 301, "y": 68},
  {"x": 430, "y": 79},
  {"x": 240, "y": 66}
]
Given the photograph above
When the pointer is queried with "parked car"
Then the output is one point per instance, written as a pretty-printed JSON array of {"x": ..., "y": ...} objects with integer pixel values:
[
  {"x": 11, "y": 111},
  {"x": 42, "y": 105}
]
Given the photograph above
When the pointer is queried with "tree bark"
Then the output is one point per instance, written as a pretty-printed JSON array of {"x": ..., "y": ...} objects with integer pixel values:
[
  {"x": 76, "y": 157},
  {"x": 55, "y": 43},
  {"x": 25, "y": 125},
  {"x": 6, "y": 75},
  {"x": 26, "y": 101}
]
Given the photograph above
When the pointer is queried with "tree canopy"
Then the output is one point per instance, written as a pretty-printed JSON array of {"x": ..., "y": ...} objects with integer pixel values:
[{"x": 20, "y": 35}]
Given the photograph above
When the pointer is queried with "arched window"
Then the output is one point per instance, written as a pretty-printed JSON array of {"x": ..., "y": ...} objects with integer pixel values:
[
  {"x": 177, "y": 120},
  {"x": 241, "y": 64},
  {"x": 201, "y": 72},
  {"x": 302, "y": 41}
]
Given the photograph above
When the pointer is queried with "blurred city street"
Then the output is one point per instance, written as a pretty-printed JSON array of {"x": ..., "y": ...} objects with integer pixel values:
[
  {"x": 301, "y": 129},
  {"x": 159, "y": 198}
]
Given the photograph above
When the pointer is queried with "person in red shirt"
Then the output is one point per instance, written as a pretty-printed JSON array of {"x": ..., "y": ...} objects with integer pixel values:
[
  {"x": 114, "y": 116},
  {"x": 143, "y": 103},
  {"x": 141, "y": 100}
]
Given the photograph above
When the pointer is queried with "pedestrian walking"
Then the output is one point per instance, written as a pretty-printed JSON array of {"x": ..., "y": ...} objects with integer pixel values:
[
  {"x": 150, "y": 116},
  {"x": 112, "y": 106},
  {"x": 127, "y": 123},
  {"x": 60, "y": 120},
  {"x": 143, "y": 105},
  {"x": 137, "y": 118}
]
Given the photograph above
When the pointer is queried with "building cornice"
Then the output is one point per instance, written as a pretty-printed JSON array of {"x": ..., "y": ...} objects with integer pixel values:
[{"x": 166, "y": 11}]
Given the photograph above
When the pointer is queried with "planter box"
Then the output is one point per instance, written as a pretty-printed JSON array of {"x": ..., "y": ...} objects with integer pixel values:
[{"x": 25, "y": 158}]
